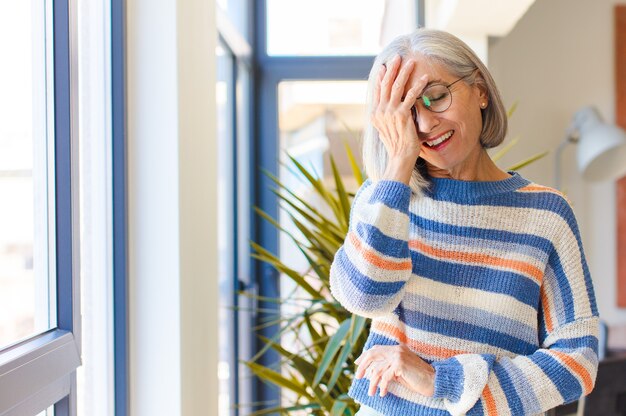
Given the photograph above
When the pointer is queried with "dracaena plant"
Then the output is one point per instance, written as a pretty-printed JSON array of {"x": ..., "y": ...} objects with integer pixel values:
[{"x": 316, "y": 368}]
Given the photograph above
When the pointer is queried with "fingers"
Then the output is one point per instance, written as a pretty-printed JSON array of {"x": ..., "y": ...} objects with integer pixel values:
[
  {"x": 375, "y": 372},
  {"x": 397, "y": 89},
  {"x": 387, "y": 376},
  {"x": 414, "y": 92},
  {"x": 379, "y": 79},
  {"x": 389, "y": 78}
]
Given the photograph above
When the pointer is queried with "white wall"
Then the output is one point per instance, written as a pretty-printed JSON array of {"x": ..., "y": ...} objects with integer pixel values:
[
  {"x": 558, "y": 58},
  {"x": 172, "y": 193}
]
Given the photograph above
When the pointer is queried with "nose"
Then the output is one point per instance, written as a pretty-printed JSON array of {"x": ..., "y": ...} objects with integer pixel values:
[{"x": 425, "y": 120}]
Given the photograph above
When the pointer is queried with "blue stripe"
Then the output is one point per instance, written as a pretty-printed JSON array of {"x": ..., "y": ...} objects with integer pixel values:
[
  {"x": 565, "y": 382},
  {"x": 382, "y": 243},
  {"x": 545, "y": 201},
  {"x": 523, "y": 387},
  {"x": 550, "y": 281},
  {"x": 473, "y": 316},
  {"x": 520, "y": 287},
  {"x": 449, "y": 379},
  {"x": 455, "y": 231},
  {"x": 569, "y": 344},
  {"x": 461, "y": 330},
  {"x": 362, "y": 282},
  {"x": 390, "y": 404},
  {"x": 512, "y": 397},
  {"x": 393, "y": 194},
  {"x": 477, "y": 410},
  {"x": 564, "y": 289}
]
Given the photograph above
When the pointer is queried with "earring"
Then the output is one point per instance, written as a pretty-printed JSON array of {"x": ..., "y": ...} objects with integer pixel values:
[{"x": 483, "y": 105}]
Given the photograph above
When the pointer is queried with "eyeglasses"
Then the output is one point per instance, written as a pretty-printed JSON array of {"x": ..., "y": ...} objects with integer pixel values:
[{"x": 438, "y": 97}]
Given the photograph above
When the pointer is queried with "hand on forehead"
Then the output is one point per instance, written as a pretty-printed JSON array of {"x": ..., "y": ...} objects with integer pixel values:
[{"x": 434, "y": 71}]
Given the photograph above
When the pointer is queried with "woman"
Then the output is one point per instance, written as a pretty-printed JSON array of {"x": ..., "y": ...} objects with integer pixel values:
[{"x": 475, "y": 278}]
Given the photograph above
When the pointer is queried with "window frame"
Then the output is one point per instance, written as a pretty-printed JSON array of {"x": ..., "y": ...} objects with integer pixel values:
[
  {"x": 121, "y": 386},
  {"x": 41, "y": 371},
  {"x": 239, "y": 50}
]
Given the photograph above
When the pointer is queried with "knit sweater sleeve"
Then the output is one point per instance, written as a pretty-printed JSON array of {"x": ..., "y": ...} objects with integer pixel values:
[
  {"x": 371, "y": 268},
  {"x": 564, "y": 366}
]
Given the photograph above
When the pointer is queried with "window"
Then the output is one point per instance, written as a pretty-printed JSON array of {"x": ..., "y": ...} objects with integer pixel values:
[
  {"x": 26, "y": 133},
  {"x": 234, "y": 97},
  {"x": 312, "y": 62},
  {"x": 39, "y": 344}
]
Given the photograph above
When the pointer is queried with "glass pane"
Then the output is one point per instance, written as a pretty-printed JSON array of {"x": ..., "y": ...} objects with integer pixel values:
[
  {"x": 328, "y": 27},
  {"x": 48, "y": 412},
  {"x": 238, "y": 13},
  {"x": 316, "y": 119},
  {"x": 225, "y": 117},
  {"x": 26, "y": 253}
]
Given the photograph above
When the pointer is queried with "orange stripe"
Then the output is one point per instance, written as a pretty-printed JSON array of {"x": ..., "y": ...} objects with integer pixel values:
[
  {"x": 577, "y": 368},
  {"x": 490, "y": 402},
  {"x": 419, "y": 347},
  {"x": 547, "y": 315},
  {"x": 518, "y": 265},
  {"x": 540, "y": 188},
  {"x": 375, "y": 259}
]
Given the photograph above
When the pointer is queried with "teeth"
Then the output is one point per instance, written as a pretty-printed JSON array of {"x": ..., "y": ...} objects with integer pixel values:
[{"x": 440, "y": 140}]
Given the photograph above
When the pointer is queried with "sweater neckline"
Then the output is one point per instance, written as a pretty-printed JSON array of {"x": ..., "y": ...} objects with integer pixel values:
[{"x": 457, "y": 189}]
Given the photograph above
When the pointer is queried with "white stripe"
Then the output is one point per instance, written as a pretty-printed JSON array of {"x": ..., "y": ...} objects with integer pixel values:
[
  {"x": 368, "y": 269},
  {"x": 389, "y": 221},
  {"x": 538, "y": 222},
  {"x": 543, "y": 386},
  {"x": 497, "y": 303},
  {"x": 502, "y": 405}
]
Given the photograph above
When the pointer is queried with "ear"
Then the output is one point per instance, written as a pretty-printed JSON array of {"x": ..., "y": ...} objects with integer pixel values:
[{"x": 481, "y": 88}]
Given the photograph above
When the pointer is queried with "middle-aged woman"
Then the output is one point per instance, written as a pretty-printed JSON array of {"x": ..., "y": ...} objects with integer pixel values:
[{"x": 475, "y": 278}]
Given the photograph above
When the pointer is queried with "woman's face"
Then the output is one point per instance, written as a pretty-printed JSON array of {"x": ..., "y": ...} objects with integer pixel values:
[{"x": 460, "y": 125}]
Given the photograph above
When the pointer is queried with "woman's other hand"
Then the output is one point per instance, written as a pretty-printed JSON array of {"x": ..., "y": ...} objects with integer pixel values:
[
  {"x": 384, "y": 363},
  {"x": 393, "y": 100}
]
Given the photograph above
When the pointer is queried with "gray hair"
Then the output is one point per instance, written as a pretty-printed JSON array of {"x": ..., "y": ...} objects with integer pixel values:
[{"x": 456, "y": 58}]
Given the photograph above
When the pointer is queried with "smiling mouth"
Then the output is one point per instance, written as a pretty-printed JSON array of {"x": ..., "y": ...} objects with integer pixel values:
[{"x": 440, "y": 139}]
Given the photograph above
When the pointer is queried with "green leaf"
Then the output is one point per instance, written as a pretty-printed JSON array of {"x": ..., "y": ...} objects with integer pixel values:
[
  {"x": 511, "y": 110},
  {"x": 278, "y": 379},
  {"x": 356, "y": 328},
  {"x": 306, "y": 369},
  {"x": 285, "y": 409},
  {"x": 267, "y": 257},
  {"x": 341, "y": 193},
  {"x": 505, "y": 149},
  {"x": 339, "y": 408},
  {"x": 356, "y": 171},
  {"x": 340, "y": 363},
  {"x": 331, "y": 350},
  {"x": 528, "y": 161}
]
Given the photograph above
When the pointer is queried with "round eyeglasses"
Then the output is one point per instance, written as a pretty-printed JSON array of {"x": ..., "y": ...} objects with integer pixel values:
[{"x": 438, "y": 97}]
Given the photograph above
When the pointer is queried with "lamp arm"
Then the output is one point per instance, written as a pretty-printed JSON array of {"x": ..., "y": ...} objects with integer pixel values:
[{"x": 570, "y": 137}]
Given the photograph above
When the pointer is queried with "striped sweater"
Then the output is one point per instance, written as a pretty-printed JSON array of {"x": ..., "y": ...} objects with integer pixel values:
[{"x": 486, "y": 281}]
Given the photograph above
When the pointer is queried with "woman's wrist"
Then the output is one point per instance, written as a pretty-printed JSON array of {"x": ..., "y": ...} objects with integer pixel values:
[{"x": 400, "y": 169}]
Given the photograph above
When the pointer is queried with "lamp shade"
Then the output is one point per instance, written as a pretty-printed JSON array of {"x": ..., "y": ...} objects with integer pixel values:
[{"x": 601, "y": 146}]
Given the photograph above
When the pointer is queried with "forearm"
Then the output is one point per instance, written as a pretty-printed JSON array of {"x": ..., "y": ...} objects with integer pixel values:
[
  {"x": 371, "y": 268},
  {"x": 522, "y": 385}
]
